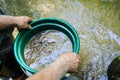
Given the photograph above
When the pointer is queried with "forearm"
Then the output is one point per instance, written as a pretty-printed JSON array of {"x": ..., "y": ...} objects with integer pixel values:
[
  {"x": 47, "y": 74},
  {"x": 50, "y": 73},
  {"x": 7, "y": 21}
]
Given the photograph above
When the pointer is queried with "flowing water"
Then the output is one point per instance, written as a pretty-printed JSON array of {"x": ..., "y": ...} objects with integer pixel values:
[{"x": 96, "y": 21}]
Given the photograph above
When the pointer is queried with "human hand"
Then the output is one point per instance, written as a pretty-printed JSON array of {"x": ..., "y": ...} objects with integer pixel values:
[
  {"x": 22, "y": 22},
  {"x": 68, "y": 62}
]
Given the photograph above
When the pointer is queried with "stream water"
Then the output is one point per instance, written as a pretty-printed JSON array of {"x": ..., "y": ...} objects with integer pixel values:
[{"x": 96, "y": 21}]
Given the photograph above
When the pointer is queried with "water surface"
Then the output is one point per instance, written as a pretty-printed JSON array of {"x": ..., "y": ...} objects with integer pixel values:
[{"x": 45, "y": 47}]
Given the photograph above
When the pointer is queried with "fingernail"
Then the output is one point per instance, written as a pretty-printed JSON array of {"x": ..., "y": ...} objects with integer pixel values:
[{"x": 30, "y": 27}]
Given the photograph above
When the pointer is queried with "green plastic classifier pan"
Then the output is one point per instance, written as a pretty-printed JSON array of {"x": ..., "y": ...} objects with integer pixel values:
[{"x": 38, "y": 26}]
